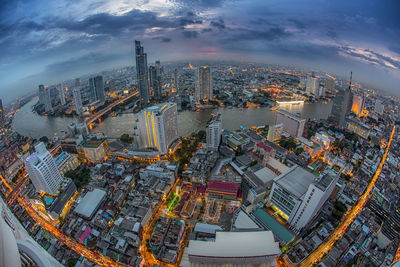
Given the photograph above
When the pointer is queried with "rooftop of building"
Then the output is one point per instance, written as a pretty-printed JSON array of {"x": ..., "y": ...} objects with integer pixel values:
[
  {"x": 265, "y": 175},
  {"x": 61, "y": 157},
  {"x": 93, "y": 143},
  {"x": 278, "y": 229},
  {"x": 207, "y": 228},
  {"x": 244, "y": 222},
  {"x": 264, "y": 146},
  {"x": 63, "y": 198},
  {"x": 159, "y": 107},
  {"x": 296, "y": 180},
  {"x": 223, "y": 186},
  {"x": 324, "y": 182},
  {"x": 236, "y": 244},
  {"x": 90, "y": 202}
]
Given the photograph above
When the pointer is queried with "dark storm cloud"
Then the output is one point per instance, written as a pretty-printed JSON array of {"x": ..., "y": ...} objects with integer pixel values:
[
  {"x": 104, "y": 23},
  {"x": 190, "y": 34},
  {"x": 163, "y": 39},
  {"x": 189, "y": 18},
  {"x": 206, "y": 30},
  {"x": 218, "y": 23}
]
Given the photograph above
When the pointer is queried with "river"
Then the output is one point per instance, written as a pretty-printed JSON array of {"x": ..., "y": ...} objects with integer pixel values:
[{"x": 30, "y": 124}]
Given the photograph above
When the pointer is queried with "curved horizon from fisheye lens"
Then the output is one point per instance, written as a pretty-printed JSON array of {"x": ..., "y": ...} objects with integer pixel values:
[{"x": 43, "y": 42}]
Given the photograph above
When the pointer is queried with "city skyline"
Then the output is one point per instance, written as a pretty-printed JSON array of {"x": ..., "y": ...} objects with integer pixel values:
[{"x": 42, "y": 47}]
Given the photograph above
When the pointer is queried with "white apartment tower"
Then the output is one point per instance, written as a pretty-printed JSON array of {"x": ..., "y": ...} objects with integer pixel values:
[
  {"x": 214, "y": 130},
  {"x": 204, "y": 88},
  {"x": 299, "y": 195},
  {"x": 312, "y": 85},
  {"x": 158, "y": 126},
  {"x": 292, "y": 124},
  {"x": 43, "y": 171}
]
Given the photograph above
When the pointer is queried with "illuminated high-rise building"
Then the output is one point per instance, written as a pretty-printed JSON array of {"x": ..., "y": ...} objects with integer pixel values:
[
  {"x": 158, "y": 126},
  {"x": 155, "y": 81},
  {"x": 358, "y": 104},
  {"x": 204, "y": 87},
  {"x": 341, "y": 106},
  {"x": 42, "y": 170},
  {"x": 96, "y": 86},
  {"x": 142, "y": 72},
  {"x": 213, "y": 134},
  {"x": 2, "y": 122},
  {"x": 292, "y": 124},
  {"x": 77, "y": 100},
  {"x": 312, "y": 86}
]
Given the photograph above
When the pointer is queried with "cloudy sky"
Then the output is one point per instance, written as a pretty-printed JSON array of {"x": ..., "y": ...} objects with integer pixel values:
[{"x": 45, "y": 41}]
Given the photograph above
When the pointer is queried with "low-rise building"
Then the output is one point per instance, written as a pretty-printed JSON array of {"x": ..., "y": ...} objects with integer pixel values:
[
  {"x": 93, "y": 150},
  {"x": 66, "y": 162},
  {"x": 234, "y": 248}
]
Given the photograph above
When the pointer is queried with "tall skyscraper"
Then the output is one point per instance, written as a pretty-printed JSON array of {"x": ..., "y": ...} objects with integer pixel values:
[
  {"x": 77, "y": 100},
  {"x": 2, "y": 121},
  {"x": 77, "y": 82},
  {"x": 213, "y": 134},
  {"x": 204, "y": 88},
  {"x": 96, "y": 86},
  {"x": 155, "y": 81},
  {"x": 142, "y": 72},
  {"x": 176, "y": 79},
  {"x": 41, "y": 94},
  {"x": 379, "y": 107},
  {"x": 358, "y": 104},
  {"x": 312, "y": 86},
  {"x": 44, "y": 97},
  {"x": 341, "y": 106},
  {"x": 61, "y": 91},
  {"x": 292, "y": 124},
  {"x": 158, "y": 126},
  {"x": 43, "y": 171}
]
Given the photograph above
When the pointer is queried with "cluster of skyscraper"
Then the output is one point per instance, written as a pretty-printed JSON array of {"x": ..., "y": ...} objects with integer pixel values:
[
  {"x": 148, "y": 78},
  {"x": 51, "y": 96},
  {"x": 342, "y": 104},
  {"x": 313, "y": 86},
  {"x": 204, "y": 85}
]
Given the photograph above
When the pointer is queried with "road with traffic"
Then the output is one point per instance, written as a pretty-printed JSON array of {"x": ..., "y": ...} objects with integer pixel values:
[
  {"x": 57, "y": 233},
  {"x": 349, "y": 217}
]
